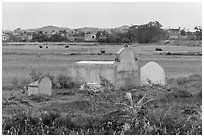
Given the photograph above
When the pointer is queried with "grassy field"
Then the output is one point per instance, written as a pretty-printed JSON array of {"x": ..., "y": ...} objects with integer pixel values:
[
  {"x": 172, "y": 109},
  {"x": 19, "y": 61}
]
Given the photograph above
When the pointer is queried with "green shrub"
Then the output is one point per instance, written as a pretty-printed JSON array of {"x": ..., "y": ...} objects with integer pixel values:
[
  {"x": 20, "y": 83},
  {"x": 65, "y": 81},
  {"x": 35, "y": 75},
  {"x": 59, "y": 81}
]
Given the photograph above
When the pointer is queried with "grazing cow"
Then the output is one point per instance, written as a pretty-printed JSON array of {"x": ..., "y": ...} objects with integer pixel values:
[
  {"x": 102, "y": 51},
  {"x": 66, "y": 46},
  {"x": 40, "y": 47},
  {"x": 158, "y": 49}
]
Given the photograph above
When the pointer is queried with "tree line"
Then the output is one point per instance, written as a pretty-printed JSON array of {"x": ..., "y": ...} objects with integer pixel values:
[{"x": 145, "y": 33}]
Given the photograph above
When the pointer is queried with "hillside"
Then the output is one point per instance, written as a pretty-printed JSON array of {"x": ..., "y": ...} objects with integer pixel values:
[{"x": 49, "y": 29}]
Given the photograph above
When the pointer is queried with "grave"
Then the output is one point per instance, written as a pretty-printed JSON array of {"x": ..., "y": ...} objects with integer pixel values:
[
  {"x": 42, "y": 86},
  {"x": 123, "y": 72}
]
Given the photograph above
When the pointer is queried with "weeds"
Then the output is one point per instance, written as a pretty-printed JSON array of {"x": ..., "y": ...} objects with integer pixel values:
[
  {"x": 39, "y": 98},
  {"x": 19, "y": 83},
  {"x": 171, "y": 110},
  {"x": 65, "y": 82},
  {"x": 35, "y": 75}
]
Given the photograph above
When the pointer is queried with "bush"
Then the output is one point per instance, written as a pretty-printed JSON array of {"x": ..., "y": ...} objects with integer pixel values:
[
  {"x": 65, "y": 81},
  {"x": 60, "y": 81},
  {"x": 35, "y": 75},
  {"x": 20, "y": 83}
]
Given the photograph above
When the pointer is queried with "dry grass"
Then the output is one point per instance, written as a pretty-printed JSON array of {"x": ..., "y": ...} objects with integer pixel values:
[
  {"x": 17, "y": 64},
  {"x": 171, "y": 112}
]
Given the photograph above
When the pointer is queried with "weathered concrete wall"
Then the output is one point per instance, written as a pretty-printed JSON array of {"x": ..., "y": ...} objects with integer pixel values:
[
  {"x": 33, "y": 91},
  {"x": 125, "y": 79},
  {"x": 91, "y": 72},
  {"x": 123, "y": 72}
]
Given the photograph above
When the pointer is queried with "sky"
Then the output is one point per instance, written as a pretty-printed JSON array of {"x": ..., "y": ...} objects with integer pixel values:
[{"x": 101, "y": 14}]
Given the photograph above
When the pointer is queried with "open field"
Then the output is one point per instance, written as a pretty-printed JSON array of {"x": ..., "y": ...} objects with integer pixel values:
[
  {"x": 19, "y": 61},
  {"x": 173, "y": 109}
]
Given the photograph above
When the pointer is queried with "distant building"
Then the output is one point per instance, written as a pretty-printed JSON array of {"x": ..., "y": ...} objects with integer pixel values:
[
  {"x": 174, "y": 33},
  {"x": 53, "y": 32},
  {"x": 90, "y": 36},
  {"x": 5, "y": 37}
]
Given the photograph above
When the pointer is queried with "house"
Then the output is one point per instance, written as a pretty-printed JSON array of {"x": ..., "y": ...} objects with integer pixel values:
[
  {"x": 123, "y": 72},
  {"x": 5, "y": 37},
  {"x": 174, "y": 33},
  {"x": 41, "y": 86},
  {"x": 90, "y": 36}
]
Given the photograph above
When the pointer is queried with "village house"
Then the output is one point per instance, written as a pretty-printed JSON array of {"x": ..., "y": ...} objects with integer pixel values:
[
  {"x": 5, "y": 37},
  {"x": 174, "y": 33},
  {"x": 41, "y": 86},
  {"x": 90, "y": 36}
]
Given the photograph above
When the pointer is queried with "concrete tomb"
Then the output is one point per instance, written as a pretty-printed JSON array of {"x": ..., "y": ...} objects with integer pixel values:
[
  {"x": 122, "y": 73},
  {"x": 41, "y": 86},
  {"x": 152, "y": 73}
]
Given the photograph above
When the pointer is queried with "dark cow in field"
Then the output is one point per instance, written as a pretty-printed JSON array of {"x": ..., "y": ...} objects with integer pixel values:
[
  {"x": 102, "y": 51},
  {"x": 159, "y": 49},
  {"x": 66, "y": 46},
  {"x": 40, "y": 47}
]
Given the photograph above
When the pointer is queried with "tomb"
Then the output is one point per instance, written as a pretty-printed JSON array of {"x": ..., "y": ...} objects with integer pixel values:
[
  {"x": 123, "y": 72},
  {"x": 42, "y": 86}
]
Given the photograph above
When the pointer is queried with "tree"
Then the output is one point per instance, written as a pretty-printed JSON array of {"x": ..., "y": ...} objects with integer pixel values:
[
  {"x": 57, "y": 38},
  {"x": 183, "y": 32},
  {"x": 40, "y": 37},
  {"x": 147, "y": 33},
  {"x": 114, "y": 37},
  {"x": 198, "y": 32}
]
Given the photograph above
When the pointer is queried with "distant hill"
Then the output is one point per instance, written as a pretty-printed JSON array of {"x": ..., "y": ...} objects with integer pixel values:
[
  {"x": 49, "y": 29},
  {"x": 91, "y": 29}
]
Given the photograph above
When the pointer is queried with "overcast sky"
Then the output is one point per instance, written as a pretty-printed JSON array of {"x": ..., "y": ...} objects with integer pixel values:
[{"x": 104, "y": 15}]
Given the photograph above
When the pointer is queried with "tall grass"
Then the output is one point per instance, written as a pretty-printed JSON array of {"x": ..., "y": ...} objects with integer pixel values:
[
  {"x": 60, "y": 81},
  {"x": 153, "y": 110}
]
